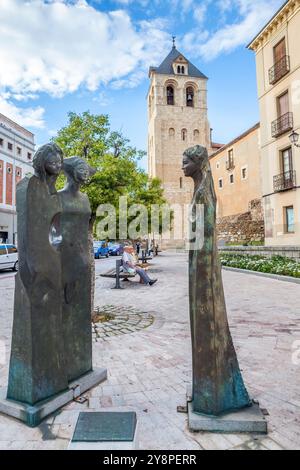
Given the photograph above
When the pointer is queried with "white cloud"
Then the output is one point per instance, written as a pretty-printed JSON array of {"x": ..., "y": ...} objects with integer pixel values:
[
  {"x": 199, "y": 13},
  {"x": 59, "y": 46},
  {"x": 102, "y": 99},
  {"x": 250, "y": 15},
  {"x": 28, "y": 117}
]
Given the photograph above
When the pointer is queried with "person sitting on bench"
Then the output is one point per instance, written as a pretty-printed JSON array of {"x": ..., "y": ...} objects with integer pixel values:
[{"x": 129, "y": 265}]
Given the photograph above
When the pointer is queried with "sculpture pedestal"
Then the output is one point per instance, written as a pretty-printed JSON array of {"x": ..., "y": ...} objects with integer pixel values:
[
  {"x": 32, "y": 415},
  {"x": 248, "y": 419}
]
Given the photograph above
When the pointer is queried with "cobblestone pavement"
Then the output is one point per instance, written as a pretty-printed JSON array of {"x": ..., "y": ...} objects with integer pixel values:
[{"x": 149, "y": 369}]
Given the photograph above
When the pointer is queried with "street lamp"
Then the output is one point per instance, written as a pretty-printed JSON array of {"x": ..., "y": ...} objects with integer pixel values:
[{"x": 294, "y": 137}]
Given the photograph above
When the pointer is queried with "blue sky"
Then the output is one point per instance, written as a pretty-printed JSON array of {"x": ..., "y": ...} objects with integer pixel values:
[{"x": 75, "y": 55}]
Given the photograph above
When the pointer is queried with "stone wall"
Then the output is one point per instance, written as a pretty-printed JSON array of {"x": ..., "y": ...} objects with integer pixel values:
[
  {"x": 243, "y": 228},
  {"x": 268, "y": 251}
]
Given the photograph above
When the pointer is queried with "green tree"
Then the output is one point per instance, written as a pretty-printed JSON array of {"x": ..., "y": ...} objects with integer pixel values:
[{"x": 88, "y": 136}]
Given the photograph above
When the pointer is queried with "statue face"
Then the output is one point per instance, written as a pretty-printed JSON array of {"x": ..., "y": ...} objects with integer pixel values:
[
  {"x": 53, "y": 164},
  {"x": 81, "y": 173},
  {"x": 189, "y": 167}
]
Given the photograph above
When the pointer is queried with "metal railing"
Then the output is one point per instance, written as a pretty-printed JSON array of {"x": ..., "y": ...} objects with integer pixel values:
[
  {"x": 282, "y": 124},
  {"x": 229, "y": 165},
  {"x": 284, "y": 181},
  {"x": 279, "y": 69}
]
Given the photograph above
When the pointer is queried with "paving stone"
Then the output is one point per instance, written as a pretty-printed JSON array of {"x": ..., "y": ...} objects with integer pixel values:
[{"x": 149, "y": 369}]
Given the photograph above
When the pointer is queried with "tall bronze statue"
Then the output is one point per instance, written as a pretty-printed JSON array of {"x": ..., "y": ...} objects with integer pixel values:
[
  {"x": 37, "y": 363},
  {"x": 51, "y": 352},
  {"x": 76, "y": 269},
  {"x": 218, "y": 385}
]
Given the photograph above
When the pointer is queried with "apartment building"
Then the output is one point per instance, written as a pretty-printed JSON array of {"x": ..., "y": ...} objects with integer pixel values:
[
  {"x": 278, "y": 80},
  {"x": 236, "y": 170},
  {"x": 16, "y": 152}
]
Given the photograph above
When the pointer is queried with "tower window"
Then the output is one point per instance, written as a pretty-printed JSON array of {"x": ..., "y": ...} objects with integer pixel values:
[
  {"x": 180, "y": 182},
  {"x": 171, "y": 132},
  {"x": 220, "y": 183},
  {"x": 181, "y": 69},
  {"x": 196, "y": 135},
  {"x": 184, "y": 134},
  {"x": 170, "y": 95},
  {"x": 190, "y": 96}
]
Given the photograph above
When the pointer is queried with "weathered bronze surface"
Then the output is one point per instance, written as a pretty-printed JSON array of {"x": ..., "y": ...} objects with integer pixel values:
[
  {"x": 37, "y": 363},
  {"x": 105, "y": 426},
  {"x": 76, "y": 269},
  {"x": 52, "y": 338},
  {"x": 218, "y": 385}
]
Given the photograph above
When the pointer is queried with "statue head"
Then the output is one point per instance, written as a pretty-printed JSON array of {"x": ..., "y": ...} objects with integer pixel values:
[
  {"x": 195, "y": 160},
  {"x": 78, "y": 170},
  {"x": 48, "y": 160}
]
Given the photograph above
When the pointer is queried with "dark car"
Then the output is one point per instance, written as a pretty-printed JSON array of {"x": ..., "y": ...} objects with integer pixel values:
[{"x": 115, "y": 249}]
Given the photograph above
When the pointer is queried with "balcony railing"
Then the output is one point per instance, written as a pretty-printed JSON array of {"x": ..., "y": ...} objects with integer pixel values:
[
  {"x": 284, "y": 181},
  {"x": 283, "y": 124},
  {"x": 279, "y": 69},
  {"x": 229, "y": 165}
]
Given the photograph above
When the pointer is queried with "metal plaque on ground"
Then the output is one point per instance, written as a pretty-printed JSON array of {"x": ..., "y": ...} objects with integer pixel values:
[{"x": 105, "y": 426}]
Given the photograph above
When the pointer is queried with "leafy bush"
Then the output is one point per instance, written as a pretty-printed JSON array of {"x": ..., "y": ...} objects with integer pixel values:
[{"x": 274, "y": 265}]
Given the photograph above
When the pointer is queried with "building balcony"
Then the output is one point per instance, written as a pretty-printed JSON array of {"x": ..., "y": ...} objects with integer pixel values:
[
  {"x": 279, "y": 69},
  {"x": 282, "y": 125},
  {"x": 229, "y": 165},
  {"x": 284, "y": 181}
]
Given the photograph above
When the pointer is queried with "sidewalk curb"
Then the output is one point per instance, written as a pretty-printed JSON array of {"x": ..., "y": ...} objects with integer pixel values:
[{"x": 277, "y": 277}]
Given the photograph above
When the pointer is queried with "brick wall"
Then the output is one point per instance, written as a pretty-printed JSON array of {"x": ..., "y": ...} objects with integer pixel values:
[{"x": 9, "y": 184}]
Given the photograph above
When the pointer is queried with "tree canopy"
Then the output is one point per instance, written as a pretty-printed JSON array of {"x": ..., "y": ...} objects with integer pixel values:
[{"x": 117, "y": 163}]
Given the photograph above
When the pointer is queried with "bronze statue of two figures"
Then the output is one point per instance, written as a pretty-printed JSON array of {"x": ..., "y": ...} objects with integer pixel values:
[
  {"x": 52, "y": 338},
  {"x": 51, "y": 343}
]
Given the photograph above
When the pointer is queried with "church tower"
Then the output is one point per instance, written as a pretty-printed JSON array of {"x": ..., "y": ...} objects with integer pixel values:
[{"x": 177, "y": 120}]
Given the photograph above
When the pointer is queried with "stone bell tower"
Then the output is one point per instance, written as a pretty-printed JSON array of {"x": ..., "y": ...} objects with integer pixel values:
[{"x": 177, "y": 120}]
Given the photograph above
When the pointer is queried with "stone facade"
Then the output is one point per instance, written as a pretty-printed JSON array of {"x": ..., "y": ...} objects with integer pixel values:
[
  {"x": 237, "y": 178},
  {"x": 175, "y": 123},
  {"x": 243, "y": 228},
  {"x": 292, "y": 252}
]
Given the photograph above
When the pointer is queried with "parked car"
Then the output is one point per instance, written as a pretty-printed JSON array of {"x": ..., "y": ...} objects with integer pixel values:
[
  {"x": 100, "y": 249},
  {"x": 115, "y": 249},
  {"x": 8, "y": 257}
]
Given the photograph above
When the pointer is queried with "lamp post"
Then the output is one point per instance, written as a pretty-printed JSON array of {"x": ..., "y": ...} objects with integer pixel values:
[{"x": 294, "y": 137}]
